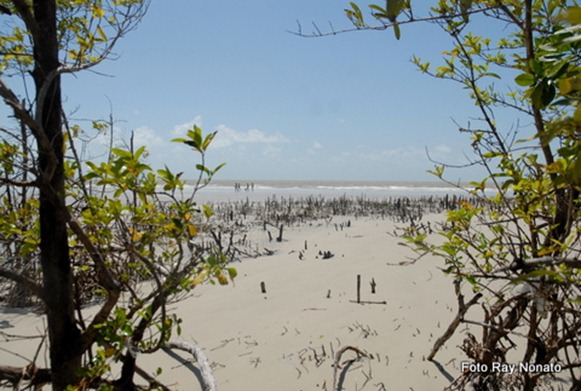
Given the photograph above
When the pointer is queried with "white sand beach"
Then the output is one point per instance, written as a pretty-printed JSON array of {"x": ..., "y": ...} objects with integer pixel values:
[{"x": 287, "y": 338}]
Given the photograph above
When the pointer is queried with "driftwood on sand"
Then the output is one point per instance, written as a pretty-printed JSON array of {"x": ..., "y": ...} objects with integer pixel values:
[
  {"x": 208, "y": 381},
  {"x": 337, "y": 382}
]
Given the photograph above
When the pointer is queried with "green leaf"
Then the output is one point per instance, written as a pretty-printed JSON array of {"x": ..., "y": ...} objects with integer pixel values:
[
  {"x": 396, "y": 30},
  {"x": 577, "y": 169},
  {"x": 232, "y": 273},
  {"x": 380, "y": 11},
  {"x": 222, "y": 280},
  {"x": 491, "y": 74},
  {"x": 465, "y": 6},
  {"x": 438, "y": 171},
  {"x": 204, "y": 169},
  {"x": 525, "y": 80},
  {"x": 208, "y": 140},
  {"x": 393, "y": 9},
  {"x": 140, "y": 151},
  {"x": 543, "y": 94},
  {"x": 561, "y": 71},
  {"x": 208, "y": 211},
  {"x": 472, "y": 280},
  {"x": 218, "y": 167},
  {"x": 120, "y": 153},
  {"x": 102, "y": 34},
  {"x": 357, "y": 12},
  {"x": 572, "y": 15}
]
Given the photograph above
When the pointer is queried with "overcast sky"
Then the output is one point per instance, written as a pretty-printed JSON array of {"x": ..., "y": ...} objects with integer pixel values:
[{"x": 345, "y": 107}]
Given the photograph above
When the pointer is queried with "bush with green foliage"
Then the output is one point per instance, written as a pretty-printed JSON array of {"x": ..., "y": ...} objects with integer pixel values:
[
  {"x": 521, "y": 251},
  {"x": 116, "y": 233}
]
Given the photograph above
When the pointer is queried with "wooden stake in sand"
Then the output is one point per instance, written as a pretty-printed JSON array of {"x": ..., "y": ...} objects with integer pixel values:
[
  {"x": 359, "y": 289},
  {"x": 358, "y": 301}
]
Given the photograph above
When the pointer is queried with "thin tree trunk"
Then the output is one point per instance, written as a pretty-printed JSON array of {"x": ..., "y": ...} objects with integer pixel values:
[{"x": 64, "y": 335}]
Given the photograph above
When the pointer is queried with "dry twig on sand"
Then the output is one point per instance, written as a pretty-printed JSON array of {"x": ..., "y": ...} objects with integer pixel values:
[
  {"x": 337, "y": 364},
  {"x": 462, "y": 309}
]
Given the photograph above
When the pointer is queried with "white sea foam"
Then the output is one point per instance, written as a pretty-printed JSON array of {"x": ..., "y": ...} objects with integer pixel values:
[{"x": 226, "y": 190}]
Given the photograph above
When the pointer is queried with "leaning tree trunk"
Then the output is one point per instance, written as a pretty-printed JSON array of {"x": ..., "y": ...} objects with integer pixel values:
[{"x": 64, "y": 335}]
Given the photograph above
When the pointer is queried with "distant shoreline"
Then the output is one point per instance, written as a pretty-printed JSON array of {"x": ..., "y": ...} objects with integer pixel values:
[
  {"x": 258, "y": 190},
  {"x": 313, "y": 183}
]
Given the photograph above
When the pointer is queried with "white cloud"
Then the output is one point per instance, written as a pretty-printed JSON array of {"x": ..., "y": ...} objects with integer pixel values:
[
  {"x": 271, "y": 151},
  {"x": 403, "y": 152},
  {"x": 181, "y": 129},
  {"x": 101, "y": 142},
  {"x": 98, "y": 148},
  {"x": 147, "y": 137},
  {"x": 103, "y": 139},
  {"x": 314, "y": 148},
  {"x": 227, "y": 137},
  {"x": 442, "y": 149}
]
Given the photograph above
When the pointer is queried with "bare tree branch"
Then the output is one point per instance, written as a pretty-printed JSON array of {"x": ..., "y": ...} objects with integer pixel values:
[
  {"x": 25, "y": 282},
  {"x": 384, "y": 26}
]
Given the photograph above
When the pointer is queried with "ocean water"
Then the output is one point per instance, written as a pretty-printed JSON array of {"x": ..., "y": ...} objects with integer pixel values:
[{"x": 258, "y": 190}]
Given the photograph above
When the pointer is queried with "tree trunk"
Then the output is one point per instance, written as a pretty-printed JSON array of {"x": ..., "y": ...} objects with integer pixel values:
[{"x": 64, "y": 335}]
